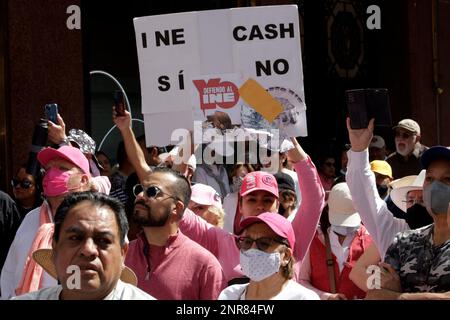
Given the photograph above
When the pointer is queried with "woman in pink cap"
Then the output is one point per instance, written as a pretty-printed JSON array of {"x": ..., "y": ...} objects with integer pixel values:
[
  {"x": 266, "y": 258},
  {"x": 258, "y": 194}
]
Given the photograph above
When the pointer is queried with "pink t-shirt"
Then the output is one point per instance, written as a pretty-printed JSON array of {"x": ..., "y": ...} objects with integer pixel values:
[
  {"x": 222, "y": 244},
  {"x": 181, "y": 270}
]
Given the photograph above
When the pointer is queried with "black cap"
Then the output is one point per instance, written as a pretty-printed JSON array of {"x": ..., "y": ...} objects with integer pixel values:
[
  {"x": 285, "y": 181},
  {"x": 434, "y": 153}
]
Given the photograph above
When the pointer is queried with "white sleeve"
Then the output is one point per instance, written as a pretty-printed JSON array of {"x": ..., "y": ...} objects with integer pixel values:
[{"x": 375, "y": 215}]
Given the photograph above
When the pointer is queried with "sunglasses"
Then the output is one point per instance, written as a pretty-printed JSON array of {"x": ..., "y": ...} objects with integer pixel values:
[
  {"x": 263, "y": 243},
  {"x": 150, "y": 192},
  {"x": 403, "y": 135},
  {"x": 24, "y": 184}
]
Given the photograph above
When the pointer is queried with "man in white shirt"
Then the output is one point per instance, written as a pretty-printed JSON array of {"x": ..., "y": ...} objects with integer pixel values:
[{"x": 89, "y": 248}]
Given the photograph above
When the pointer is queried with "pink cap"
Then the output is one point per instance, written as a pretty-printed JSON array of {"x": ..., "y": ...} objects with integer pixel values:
[
  {"x": 259, "y": 180},
  {"x": 68, "y": 153},
  {"x": 279, "y": 224},
  {"x": 205, "y": 195}
]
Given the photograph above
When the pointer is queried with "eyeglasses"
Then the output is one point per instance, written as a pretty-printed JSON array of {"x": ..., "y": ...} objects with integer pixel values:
[
  {"x": 403, "y": 135},
  {"x": 150, "y": 192},
  {"x": 412, "y": 202},
  {"x": 263, "y": 243},
  {"x": 24, "y": 184}
]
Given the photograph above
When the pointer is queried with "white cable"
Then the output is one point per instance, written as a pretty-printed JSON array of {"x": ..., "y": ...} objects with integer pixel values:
[{"x": 128, "y": 106}]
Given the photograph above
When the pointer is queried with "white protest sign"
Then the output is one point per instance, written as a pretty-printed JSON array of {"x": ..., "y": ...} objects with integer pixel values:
[{"x": 180, "y": 54}]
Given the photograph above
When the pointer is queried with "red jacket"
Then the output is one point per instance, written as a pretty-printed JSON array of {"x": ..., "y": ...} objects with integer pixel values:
[{"x": 319, "y": 270}]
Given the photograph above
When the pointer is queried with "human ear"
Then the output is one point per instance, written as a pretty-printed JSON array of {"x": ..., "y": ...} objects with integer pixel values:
[{"x": 287, "y": 256}]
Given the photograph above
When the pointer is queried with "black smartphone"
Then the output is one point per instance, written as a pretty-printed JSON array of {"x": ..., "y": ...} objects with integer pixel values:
[
  {"x": 51, "y": 112},
  {"x": 119, "y": 102},
  {"x": 365, "y": 104}
]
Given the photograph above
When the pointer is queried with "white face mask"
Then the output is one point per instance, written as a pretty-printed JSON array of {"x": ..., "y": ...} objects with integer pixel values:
[
  {"x": 344, "y": 231},
  {"x": 259, "y": 265}
]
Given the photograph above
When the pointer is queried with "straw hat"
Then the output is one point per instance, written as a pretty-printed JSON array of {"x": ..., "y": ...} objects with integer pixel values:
[
  {"x": 401, "y": 189},
  {"x": 44, "y": 257}
]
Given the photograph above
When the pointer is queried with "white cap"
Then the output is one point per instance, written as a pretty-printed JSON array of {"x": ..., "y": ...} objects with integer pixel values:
[
  {"x": 205, "y": 195},
  {"x": 340, "y": 207},
  {"x": 402, "y": 186},
  {"x": 377, "y": 142}
]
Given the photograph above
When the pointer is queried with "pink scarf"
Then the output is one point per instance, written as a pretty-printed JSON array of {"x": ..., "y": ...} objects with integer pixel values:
[{"x": 32, "y": 272}]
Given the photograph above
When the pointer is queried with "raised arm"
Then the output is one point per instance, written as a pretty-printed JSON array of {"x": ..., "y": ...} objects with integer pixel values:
[
  {"x": 200, "y": 231},
  {"x": 374, "y": 213},
  {"x": 132, "y": 147},
  {"x": 313, "y": 200}
]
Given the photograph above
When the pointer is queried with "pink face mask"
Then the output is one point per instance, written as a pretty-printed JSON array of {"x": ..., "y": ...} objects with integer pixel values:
[{"x": 55, "y": 182}]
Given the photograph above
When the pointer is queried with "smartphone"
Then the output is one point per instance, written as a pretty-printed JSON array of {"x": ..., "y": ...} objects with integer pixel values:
[
  {"x": 51, "y": 112},
  {"x": 365, "y": 104},
  {"x": 119, "y": 102}
]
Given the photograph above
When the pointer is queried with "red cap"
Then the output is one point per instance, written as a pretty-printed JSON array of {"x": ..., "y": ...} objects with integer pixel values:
[
  {"x": 279, "y": 224},
  {"x": 68, "y": 153},
  {"x": 259, "y": 180}
]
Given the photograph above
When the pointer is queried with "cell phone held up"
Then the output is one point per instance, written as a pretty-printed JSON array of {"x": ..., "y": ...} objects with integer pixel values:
[
  {"x": 119, "y": 102},
  {"x": 365, "y": 104},
  {"x": 51, "y": 112}
]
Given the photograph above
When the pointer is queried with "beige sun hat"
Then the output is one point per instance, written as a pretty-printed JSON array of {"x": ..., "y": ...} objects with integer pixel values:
[
  {"x": 401, "y": 189},
  {"x": 44, "y": 257}
]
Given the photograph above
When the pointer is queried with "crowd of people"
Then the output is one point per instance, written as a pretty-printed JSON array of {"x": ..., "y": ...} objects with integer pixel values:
[{"x": 152, "y": 227}]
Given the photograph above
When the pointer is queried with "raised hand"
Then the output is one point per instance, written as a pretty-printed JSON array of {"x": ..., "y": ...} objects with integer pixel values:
[
  {"x": 360, "y": 138},
  {"x": 57, "y": 132},
  {"x": 122, "y": 122},
  {"x": 297, "y": 153}
]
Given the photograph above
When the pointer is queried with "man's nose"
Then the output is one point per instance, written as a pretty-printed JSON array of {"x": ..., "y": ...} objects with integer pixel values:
[{"x": 89, "y": 248}]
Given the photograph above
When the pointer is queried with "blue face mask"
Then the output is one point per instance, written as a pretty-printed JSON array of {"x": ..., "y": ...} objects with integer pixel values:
[{"x": 436, "y": 196}]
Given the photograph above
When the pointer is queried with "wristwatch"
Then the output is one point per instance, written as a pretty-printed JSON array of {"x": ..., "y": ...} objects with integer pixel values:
[{"x": 65, "y": 142}]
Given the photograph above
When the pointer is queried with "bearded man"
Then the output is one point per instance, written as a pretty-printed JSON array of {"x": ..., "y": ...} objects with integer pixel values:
[
  {"x": 405, "y": 161},
  {"x": 169, "y": 265}
]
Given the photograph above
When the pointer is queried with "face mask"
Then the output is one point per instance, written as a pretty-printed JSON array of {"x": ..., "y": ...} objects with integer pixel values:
[
  {"x": 417, "y": 217},
  {"x": 55, "y": 182},
  {"x": 382, "y": 190},
  {"x": 436, "y": 196},
  {"x": 344, "y": 231},
  {"x": 237, "y": 184},
  {"x": 259, "y": 265}
]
